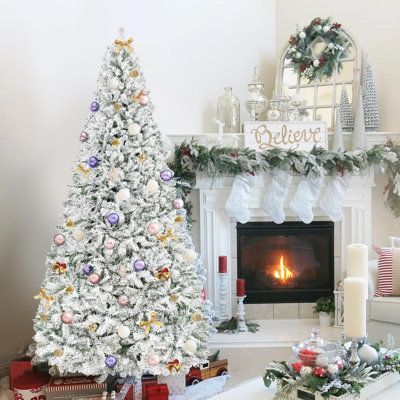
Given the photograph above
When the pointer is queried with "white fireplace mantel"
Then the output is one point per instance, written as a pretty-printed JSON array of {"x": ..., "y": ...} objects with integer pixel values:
[{"x": 218, "y": 229}]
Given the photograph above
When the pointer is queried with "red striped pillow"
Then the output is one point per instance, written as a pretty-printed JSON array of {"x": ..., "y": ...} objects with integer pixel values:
[{"x": 388, "y": 271}]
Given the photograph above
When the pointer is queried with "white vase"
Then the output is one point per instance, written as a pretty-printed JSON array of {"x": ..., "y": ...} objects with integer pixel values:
[{"x": 325, "y": 319}]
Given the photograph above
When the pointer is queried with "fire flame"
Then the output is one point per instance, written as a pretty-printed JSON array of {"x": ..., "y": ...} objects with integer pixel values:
[{"x": 282, "y": 272}]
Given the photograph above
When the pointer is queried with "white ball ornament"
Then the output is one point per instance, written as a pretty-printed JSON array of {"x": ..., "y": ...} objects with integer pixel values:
[
  {"x": 123, "y": 331},
  {"x": 302, "y": 35},
  {"x": 298, "y": 55},
  {"x": 305, "y": 371},
  {"x": 318, "y": 28},
  {"x": 316, "y": 63},
  {"x": 123, "y": 195},
  {"x": 79, "y": 235},
  {"x": 190, "y": 346},
  {"x": 332, "y": 369},
  {"x": 134, "y": 128},
  {"x": 189, "y": 256},
  {"x": 152, "y": 186},
  {"x": 113, "y": 83},
  {"x": 326, "y": 28},
  {"x": 331, "y": 46},
  {"x": 368, "y": 354}
]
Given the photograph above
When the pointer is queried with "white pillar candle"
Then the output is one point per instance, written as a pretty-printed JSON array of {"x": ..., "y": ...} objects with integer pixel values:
[
  {"x": 357, "y": 262},
  {"x": 355, "y": 308}
]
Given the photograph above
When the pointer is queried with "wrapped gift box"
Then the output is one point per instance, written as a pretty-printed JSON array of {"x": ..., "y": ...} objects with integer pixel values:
[
  {"x": 157, "y": 392},
  {"x": 74, "y": 387},
  {"x": 176, "y": 382},
  {"x": 18, "y": 368},
  {"x": 126, "y": 389},
  {"x": 31, "y": 386},
  {"x": 147, "y": 381}
]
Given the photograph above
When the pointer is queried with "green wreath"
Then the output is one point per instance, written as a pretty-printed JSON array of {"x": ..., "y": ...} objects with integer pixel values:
[{"x": 318, "y": 66}]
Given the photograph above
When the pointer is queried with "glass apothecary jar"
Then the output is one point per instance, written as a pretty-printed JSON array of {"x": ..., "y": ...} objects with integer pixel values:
[
  {"x": 256, "y": 103},
  {"x": 228, "y": 111},
  {"x": 273, "y": 113}
]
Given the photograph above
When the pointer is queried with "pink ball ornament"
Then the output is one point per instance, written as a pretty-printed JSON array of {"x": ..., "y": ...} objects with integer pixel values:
[
  {"x": 94, "y": 278},
  {"x": 109, "y": 243},
  {"x": 67, "y": 318},
  {"x": 153, "y": 360},
  {"x": 143, "y": 99},
  {"x": 83, "y": 137},
  {"x": 59, "y": 239},
  {"x": 154, "y": 228},
  {"x": 123, "y": 300},
  {"x": 177, "y": 204}
]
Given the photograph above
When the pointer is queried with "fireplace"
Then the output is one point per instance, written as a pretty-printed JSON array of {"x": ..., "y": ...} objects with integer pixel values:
[{"x": 287, "y": 263}]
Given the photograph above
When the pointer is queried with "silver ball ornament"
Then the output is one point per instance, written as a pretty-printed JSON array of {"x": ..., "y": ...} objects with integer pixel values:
[{"x": 305, "y": 371}]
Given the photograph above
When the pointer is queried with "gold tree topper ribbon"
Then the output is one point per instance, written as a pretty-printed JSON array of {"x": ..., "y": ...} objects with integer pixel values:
[
  {"x": 123, "y": 44},
  {"x": 168, "y": 235},
  {"x": 81, "y": 168},
  {"x": 146, "y": 325},
  {"x": 44, "y": 296},
  {"x": 174, "y": 365},
  {"x": 59, "y": 268},
  {"x": 163, "y": 274}
]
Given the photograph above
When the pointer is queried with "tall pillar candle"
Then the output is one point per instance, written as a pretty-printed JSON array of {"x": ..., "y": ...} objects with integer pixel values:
[
  {"x": 355, "y": 308},
  {"x": 222, "y": 264},
  {"x": 357, "y": 262},
  {"x": 240, "y": 287}
]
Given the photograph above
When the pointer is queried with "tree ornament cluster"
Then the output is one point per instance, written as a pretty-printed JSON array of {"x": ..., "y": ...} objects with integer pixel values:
[{"x": 306, "y": 61}]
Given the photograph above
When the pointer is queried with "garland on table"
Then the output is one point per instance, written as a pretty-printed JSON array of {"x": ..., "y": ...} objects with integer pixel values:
[
  {"x": 231, "y": 326},
  {"x": 191, "y": 158},
  {"x": 348, "y": 378},
  {"x": 317, "y": 66}
]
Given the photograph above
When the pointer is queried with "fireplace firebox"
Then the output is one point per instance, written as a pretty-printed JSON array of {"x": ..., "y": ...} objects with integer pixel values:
[{"x": 288, "y": 263}]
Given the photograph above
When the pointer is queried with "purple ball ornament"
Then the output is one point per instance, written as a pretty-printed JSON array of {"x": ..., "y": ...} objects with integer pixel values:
[
  {"x": 113, "y": 218},
  {"x": 166, "y": 175},
  {"x": 83, "y": 136},
  {"x": 88, "y": 269},
  {"x": 110, "y": 361},
  {"x": 93, "y": 162},
  {"x": 139, "y": 265},
  {"x": 94, "y": 106}
]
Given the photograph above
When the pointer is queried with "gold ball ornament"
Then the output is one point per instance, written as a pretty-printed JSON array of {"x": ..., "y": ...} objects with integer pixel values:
[
  {"x": 43, "y": 317},
  {"x": 117, "y": 106},
  {"x": 79, "y": 235},
  {"x": 70, "y": 223},
  {"x": 58, "y": 352},
  {"x": 179, "y": 219},
  {"x": 174, "y": 297},
  {"x": 133, "y": 73},
  {"x": 196, "y": 317},
  {"x": 93, "y": 327},
  {"x": 189, "y": 256},
  {"x": 115, "y": 142},
  {"x": 70, "y": 289}
]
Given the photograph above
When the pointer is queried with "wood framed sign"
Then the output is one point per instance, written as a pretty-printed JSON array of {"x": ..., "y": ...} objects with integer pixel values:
[{"x": 263, "y": 135}]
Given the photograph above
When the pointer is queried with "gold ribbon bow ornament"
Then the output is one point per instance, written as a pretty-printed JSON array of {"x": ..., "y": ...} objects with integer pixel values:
[
  {"x": 123, "y": 45},
  {"x": 152, "y": 321},
  {"x": 163, "y": 274},
  {"x": 44, "y": 296},
  {"x": 168, "y": 235},
  {"x": 59, "y": 268},
  {"x": 174, "y": 365}
]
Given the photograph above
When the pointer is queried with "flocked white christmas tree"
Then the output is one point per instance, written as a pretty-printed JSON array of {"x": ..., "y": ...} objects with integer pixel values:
[
  {"x": 123, "y": 292},
  {"x": 345, "y": 111},
  {"x": 369, "y": 98}
]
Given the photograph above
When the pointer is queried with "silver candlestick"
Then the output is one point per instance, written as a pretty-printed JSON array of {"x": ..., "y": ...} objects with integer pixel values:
[
  {"x": 242, "y": 327},
  {"x": 355, "y": 343}
]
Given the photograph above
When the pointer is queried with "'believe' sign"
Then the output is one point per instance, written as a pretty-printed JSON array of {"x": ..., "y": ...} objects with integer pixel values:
[{"x": 260, "y": 135}]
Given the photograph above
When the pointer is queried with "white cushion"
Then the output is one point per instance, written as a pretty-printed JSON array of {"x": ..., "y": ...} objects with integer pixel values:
[
  {"x": 394, "y": 241},
  {"x": 386, "y": 309},
  {"x": 372, "y": 277}
]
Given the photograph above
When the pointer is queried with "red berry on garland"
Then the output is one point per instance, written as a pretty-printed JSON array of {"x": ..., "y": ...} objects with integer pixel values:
[
  {"x": 297, "y": 366},
  {"x": 317, "y": 21},
  {"x": 293, "y": 40},
  {"x": 185, "y": 151},
  {"x": 335, "y": 25},
  {"x": 319, "y": 372},
  {"x": 303, "y": 67}
]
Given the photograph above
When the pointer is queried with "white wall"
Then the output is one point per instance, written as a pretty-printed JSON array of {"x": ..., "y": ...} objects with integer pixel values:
[
  {"x": 50, "y": 52},
  {"x": 376, "y": 27}
]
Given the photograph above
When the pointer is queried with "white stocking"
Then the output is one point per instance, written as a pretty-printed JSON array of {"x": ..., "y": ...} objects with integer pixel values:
[
  {"x": 333, "y": 196},
  {"x": 275, "y": 194},
  {"x": 304, "y": 198},
  {"x": 237, "y": 204}
]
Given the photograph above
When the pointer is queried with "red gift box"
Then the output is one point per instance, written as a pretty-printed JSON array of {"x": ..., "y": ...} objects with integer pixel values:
[
  {"x": 147, "y": 381},
  {"x": 18, "y": 368},
  {"x": 31, "y": 386},
  {"x": 157, "y": 392},
  {"x": 130, "y": 394},
  {"x": 73, "y": 386}
]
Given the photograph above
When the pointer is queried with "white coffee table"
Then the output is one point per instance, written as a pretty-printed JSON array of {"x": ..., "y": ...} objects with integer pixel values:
[{"x": 255, "y": 390}]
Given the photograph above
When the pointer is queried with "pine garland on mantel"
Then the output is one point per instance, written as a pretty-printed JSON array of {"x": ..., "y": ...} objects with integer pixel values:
[{"x": 190, "y": 158}]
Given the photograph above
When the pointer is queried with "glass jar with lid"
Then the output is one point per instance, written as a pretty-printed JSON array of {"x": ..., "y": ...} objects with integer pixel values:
[{"x": 257, "y": 102}]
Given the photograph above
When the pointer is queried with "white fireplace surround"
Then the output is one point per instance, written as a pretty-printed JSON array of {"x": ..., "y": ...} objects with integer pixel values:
[{"x": 218, "y": 229}]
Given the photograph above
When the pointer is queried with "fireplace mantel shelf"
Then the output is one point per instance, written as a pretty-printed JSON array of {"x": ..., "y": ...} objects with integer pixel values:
[{"x": 274, "y": 333}]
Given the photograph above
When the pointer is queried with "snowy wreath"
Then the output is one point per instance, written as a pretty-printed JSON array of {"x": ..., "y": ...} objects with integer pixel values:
[{"x": 323, "y": 34}]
